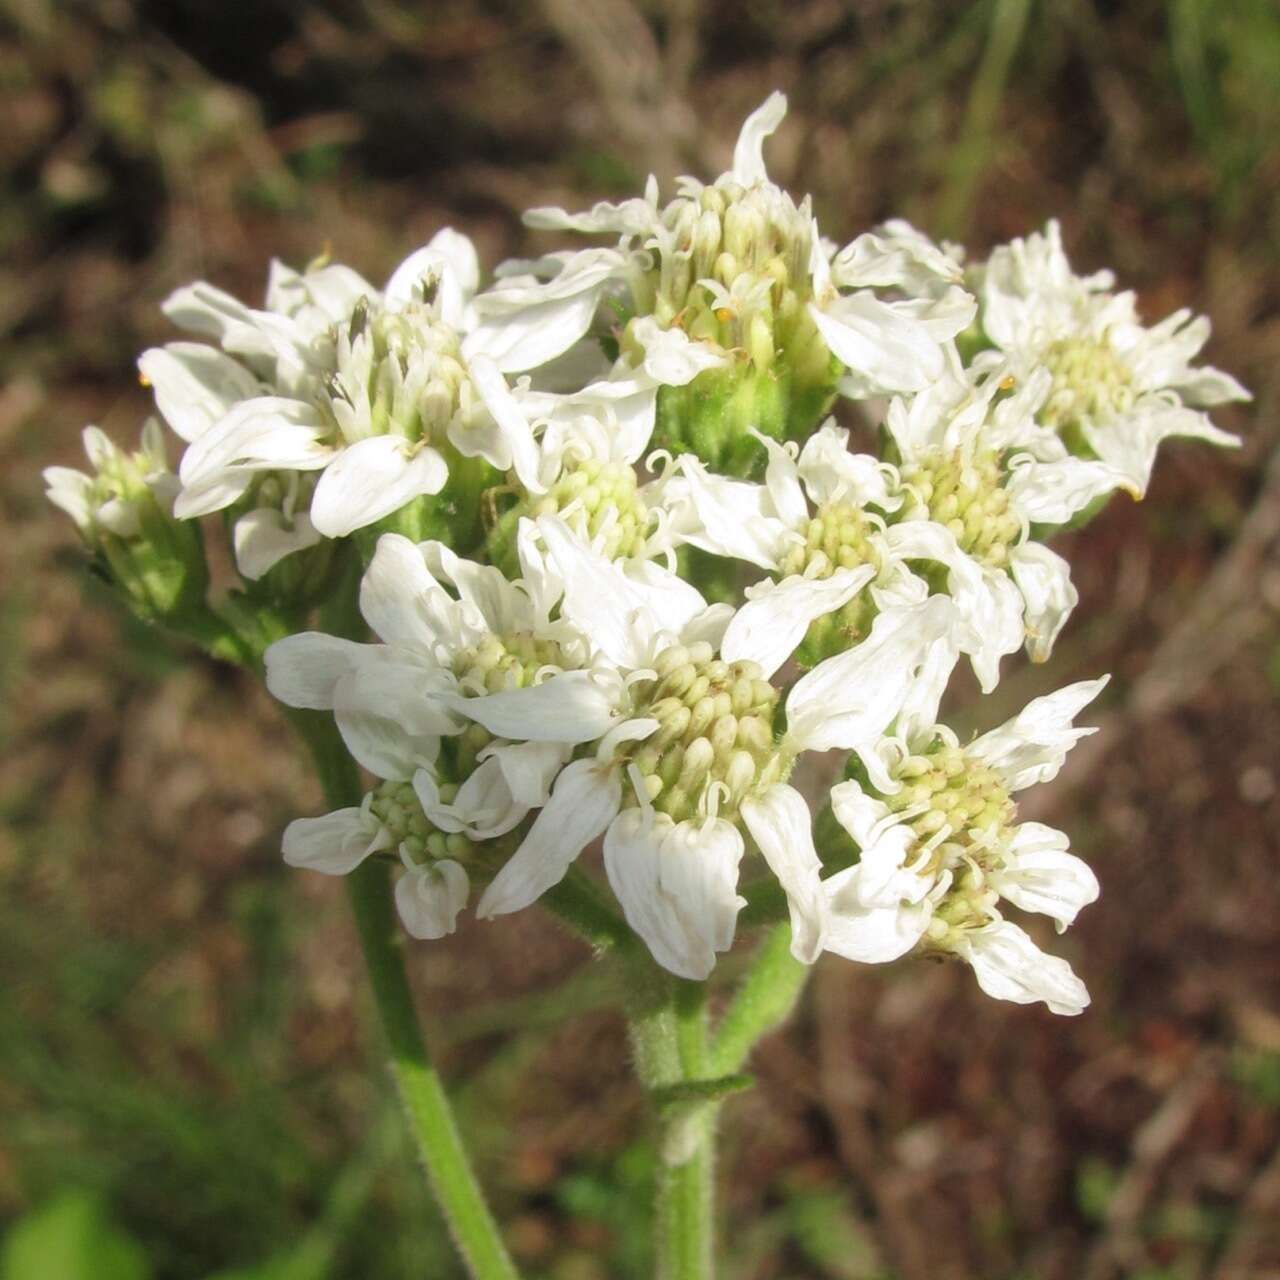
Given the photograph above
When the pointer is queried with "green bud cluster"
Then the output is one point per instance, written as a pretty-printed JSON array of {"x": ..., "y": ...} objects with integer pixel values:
[
  {"x": 715, "y": 727},
  {"x": 732, "y": 270},
  {"x": 956, "y": 792},
  {"x": 127, "y": 522},
  {"x": 396, "y": 807},
  {"x": 838, "y": 536},
  {"x": 1090, "y": 382},
  {"x": 967, "y": 495},
  {"x": 394, "y": 372},
  {"x": 720, "y": 234}
]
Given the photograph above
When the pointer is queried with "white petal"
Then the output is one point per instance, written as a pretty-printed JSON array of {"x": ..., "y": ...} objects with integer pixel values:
[
  {"x": 516, "y": 447},
  {"x": 671, "y": 357},
  {"x": 871, "y": 934},
  {"x": 449, "y": 259},
  {"x": 621, "y": 608},
  {"x": 831, "y": 473},
  {"x": 861, "y": 815},
  {"x": 774, "y": 620},
  {"x": 894, "y": 254},
  {"x": 195, "y": 385},
  {"x": 849, "y": 700},
  {"x": 1040, "y": 875},
  {"x": 214, "y": 494},
  {"x": 371, "y": 479},
  {"x": 267, "y": 432},
  {"x": 1129, "y": 444},
  {"x": 709, "y": 626},
  {"x": 503, "y": 605},
  {"x": 1204, "y": 387},
  {"x": 884, "y": 875},
  {"x": 780, "y": 823},
  {"x": 570, "y": 707},
  {"x": 407, "y": 607},
  {"x": 202, "y": 308},
  {"x": 677, "y": 884},
  {"x": 726, "y": 517},
  {"x": 1009, "y": 966},
  {"x": 1053, "y": 492},
  {"x": 526, "y": 322},
  {"x": 529, "y": 768},
  {"x": 585, "y": 800},
  {"x": 303, "y": 670},
  {"x": 263, "y": 537},
  {"x": 429, "y": 898},
  {"x": 70, "y": 490},
  {"x": 483, "y": 807},
  {"x": 748, "y": 153},
  {"x": 986, "y": 600},
  {"x": 1044, "y": 579},
  {"x": 391, "y": 714},
  {"x": 634, "y": 217},
  {"x": 333, "y": 844},
  {"x": 1032, "y": 746},
  {"x": 889, "y": 351}
]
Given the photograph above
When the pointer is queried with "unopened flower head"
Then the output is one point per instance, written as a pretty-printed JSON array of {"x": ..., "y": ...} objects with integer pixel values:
[{"x": 123, "y": 508}]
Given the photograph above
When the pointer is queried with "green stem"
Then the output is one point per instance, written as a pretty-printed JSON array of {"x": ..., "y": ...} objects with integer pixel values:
[
  {"x": 763, "y": 1001},
  {"x": 422, "y": 1093},
  {"x": 669, "y": 1038}
]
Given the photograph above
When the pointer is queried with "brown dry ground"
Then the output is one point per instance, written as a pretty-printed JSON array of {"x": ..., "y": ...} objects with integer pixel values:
[{"x": 182, "y": 1026}]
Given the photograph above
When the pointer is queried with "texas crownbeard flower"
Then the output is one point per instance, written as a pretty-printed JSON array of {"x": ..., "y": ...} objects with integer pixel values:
[
  {"x": 940, "y": 849},
  {"x": 372, "y": 390},
  {"x": 1118, "y": 388},
  {"x": 820, "y": 560},
  {"x": 397, "y": 704},
  {"x": 729, "y": 293},
  {"x": 976, "y": 472}
]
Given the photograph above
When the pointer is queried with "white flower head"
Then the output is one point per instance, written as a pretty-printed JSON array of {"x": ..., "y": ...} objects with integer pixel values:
[
  {"x": 941, "y": 849},
  {"x": 977, "y": 472},
  {"x": 1117, "y": 387},
  {"x": 816, "y": 525},
  {"x": 367, "y": 391}
]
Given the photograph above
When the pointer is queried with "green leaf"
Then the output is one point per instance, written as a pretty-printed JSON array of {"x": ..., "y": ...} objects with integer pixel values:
[
  {"x": 71, "y": 1238},
  {"x": 689, "y": 1091}
]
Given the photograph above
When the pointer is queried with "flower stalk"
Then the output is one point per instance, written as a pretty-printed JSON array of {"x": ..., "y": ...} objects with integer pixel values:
[{"x": 427, "y": 1111}]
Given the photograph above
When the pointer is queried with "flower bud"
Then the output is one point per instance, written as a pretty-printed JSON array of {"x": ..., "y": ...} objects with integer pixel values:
[{"x": 124, "y": 512}]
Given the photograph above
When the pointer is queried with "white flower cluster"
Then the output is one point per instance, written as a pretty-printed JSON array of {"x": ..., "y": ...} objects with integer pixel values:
[{"x": 626, "y": 576}]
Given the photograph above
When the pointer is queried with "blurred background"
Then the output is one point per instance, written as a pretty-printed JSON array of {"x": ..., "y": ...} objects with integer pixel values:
[{"x": 186, "y": 1079}]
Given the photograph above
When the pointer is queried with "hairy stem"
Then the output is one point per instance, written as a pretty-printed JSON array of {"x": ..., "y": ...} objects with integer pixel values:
[
  {"x": 669, "y": 1039},
  {"x": 763, "y": 1001},
  {"x": 422, "y": 1094}
]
